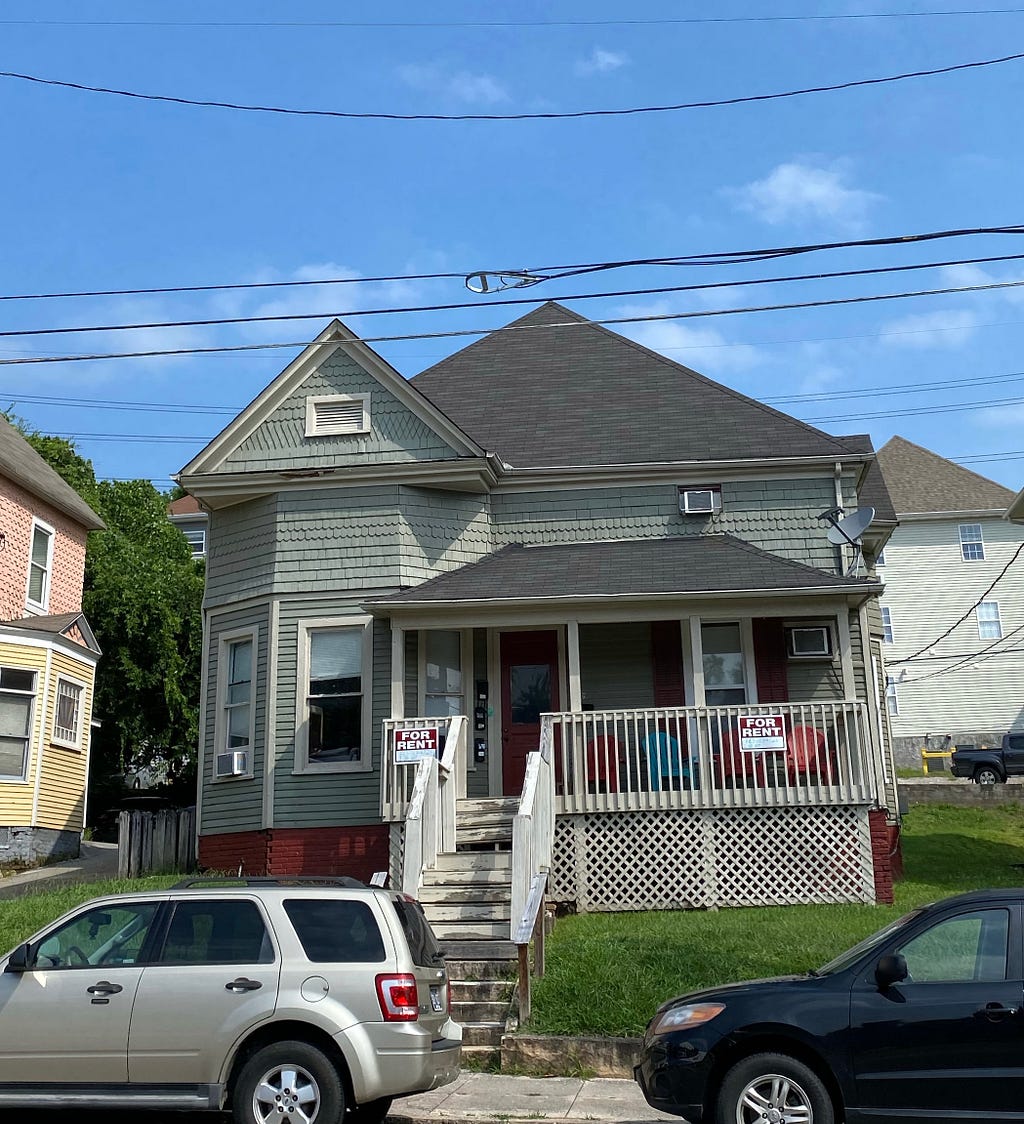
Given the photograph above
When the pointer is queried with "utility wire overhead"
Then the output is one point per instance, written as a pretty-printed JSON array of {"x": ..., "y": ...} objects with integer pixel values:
[
  {"x": 351, "y": 115},
  {"x": 970, "y": 659}
]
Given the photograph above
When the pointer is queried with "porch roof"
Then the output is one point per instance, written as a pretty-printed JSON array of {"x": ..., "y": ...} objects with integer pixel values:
[{"x": 625, "y": 568}]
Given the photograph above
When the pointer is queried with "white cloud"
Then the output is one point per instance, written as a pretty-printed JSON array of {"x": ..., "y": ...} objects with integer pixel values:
[
  {"x": 975, "y": 275},
  {"x": 1002, "y": 416},
  {"x": 948, "y": 328},
  {"x": 802, "y": 193},
  {"x": 703, "y": 349},
  {"x": 600, "y": 61},
  {"x": 475, "y": 89}
]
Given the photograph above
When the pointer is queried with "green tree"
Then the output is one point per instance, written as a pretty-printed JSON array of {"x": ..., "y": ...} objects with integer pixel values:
[{"x": 142, "y": 597}]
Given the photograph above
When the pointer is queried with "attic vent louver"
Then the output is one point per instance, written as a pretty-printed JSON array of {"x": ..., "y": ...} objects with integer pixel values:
[{"x": 328, "y": 414}]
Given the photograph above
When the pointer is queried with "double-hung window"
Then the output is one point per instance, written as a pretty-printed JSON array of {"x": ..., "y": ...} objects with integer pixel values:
[
  {"x": 972, "y": 542},
  {"x": 887, "y": 633},
  {"x": 17, "y": 698},
  {"x": 67, "y": 715},
  {"x": 238, "y": 694},
  {"x": 892, "y": 700},
  {"x": 335, "y": 694},
  {"x": 990, "y": 627},
  {"x": 724, "y": 671},
  {"x": 40, "y": 565}
]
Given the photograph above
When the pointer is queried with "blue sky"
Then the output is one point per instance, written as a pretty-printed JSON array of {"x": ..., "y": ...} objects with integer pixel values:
[{"x": 101, "y": 192}]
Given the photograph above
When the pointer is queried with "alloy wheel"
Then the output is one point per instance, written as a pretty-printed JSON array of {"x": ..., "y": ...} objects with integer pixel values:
[
  {"x": 286, "y": 1092},
  {"x": 772, "y": 1098}
]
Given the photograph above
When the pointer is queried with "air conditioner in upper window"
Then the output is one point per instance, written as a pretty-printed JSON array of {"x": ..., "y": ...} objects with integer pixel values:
[
  {"x": 813, "y": 643},
  {"x": 234, "y": 763},
  {"x": 700, "y": 501}
]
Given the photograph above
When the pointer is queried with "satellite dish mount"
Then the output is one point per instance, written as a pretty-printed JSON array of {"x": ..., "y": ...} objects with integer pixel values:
[{"x": 847, "y": 531}]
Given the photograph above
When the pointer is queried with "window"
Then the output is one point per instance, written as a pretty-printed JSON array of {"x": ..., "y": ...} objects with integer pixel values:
[
  {"x": 237, "y": 717},
  {"x": 724, "y": 679},
  {"x": 336, "y": 714},
  {"x": 17, "y": 696},
  {"x": 880, "y": 558},
  {"x": 196, "y": 539},
  {"x": 339, "y": 932},
  {"x": 990, "y": 627},
  {"x": 972, "y": 545},
  {"x": 971, "y": 946},
  {"x": 891, "y": 698},
  {"x": 40, "y": 562},
  {"x": 444, "y": 690},
  {"x": 221, "y": 932},
  {"x": 887, "y": 624},
  {"x": 67, "y": 715},
  {"x": 337, "y": 414},
  {"x": 111, "y": 935}
]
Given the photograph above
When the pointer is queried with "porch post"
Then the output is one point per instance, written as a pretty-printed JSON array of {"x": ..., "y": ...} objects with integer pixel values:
[
  {"x": 397, "y": 671},
  {"x": 846, "y": 653},
  {"x": 697, "y": 655},
  {"x": 572, "y": 651}
]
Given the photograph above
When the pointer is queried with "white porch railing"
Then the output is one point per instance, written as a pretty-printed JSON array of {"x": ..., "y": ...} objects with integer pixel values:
[
  {"x": 424, "y": 793},
  {"x": 694, "y": 757},
  {"x": 533, "y": 831}
]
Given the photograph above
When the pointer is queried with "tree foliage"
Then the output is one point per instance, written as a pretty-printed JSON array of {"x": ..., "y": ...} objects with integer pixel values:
[{"x": 142, "y": 597}]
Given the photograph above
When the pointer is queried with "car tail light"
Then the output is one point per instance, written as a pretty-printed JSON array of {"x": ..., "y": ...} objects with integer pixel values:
[{"x": 398, "y": 998}]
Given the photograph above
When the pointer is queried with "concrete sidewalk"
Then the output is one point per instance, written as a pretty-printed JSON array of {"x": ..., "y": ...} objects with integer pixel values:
[
  {"x": 96, "y": 861},
  {"x": 495, "y": 1096}
]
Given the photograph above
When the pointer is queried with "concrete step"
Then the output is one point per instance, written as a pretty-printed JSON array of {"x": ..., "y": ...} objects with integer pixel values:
[
  {"x": 470, "y": 930},
  {"x": 480, "y": 960},
  {"x": 482, "y": 990},
  {"x": 465, "y": 895},
  {"x": 463, "y": 861},
  {"x": 480, "y": 1013},
  {"x": 482, "y": 1034},
  {"x": 481, "y": 1057}
]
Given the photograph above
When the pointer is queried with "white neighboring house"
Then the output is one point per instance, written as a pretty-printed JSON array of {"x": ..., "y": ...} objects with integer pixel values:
[
  {"x": 193, "y": 521},
  {"x": 953, "y": 619}
]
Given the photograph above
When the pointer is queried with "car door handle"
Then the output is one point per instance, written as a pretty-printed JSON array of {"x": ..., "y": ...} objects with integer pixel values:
[
  {"x": 104, "y": 987},
  {"x": 243, "y": 984},
  {"x": 995, "y": 1012}
]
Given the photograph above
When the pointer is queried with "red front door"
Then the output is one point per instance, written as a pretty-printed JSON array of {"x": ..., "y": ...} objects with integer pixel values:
[{"x": 529, "y": 687}]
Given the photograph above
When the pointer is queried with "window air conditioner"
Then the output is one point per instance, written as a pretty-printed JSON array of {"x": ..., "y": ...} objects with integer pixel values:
[
  {"x": 700, "y": 501},
  {"x": 234, "y": 763},
  {"x": 814, "y": 643}
]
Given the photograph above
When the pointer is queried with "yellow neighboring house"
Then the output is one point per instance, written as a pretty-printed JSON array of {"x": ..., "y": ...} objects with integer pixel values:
[{"x": 48, "y": 656}]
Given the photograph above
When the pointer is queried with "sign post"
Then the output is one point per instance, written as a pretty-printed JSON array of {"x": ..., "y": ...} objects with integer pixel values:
[{"x": 413, "y": 745}]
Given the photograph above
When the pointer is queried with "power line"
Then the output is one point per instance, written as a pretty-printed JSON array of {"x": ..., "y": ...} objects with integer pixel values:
[
  {"x": 464, "y": 332},
  {"x": 548, "y": 116},
  {"x": 949, "y": 408},
  {"x": 970, "y": 659},
  {"x": 897, "y": 388},
  {"x": 661, "y": 290}
]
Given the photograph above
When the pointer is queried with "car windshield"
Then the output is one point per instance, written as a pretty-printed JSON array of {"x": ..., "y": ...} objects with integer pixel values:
[{"x": 845, "y": 959}]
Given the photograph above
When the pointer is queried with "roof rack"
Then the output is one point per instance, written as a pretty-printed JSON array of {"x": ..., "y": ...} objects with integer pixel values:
[{"x": 270, "y": 880}]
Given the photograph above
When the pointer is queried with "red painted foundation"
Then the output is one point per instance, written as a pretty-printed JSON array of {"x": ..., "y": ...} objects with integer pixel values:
[{"x": 357, "y": 851}]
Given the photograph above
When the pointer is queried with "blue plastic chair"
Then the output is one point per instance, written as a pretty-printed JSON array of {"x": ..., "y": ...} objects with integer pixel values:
[{"x": 663, "y": 760}]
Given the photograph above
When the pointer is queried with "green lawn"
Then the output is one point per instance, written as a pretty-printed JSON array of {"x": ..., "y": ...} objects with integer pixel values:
[{"x": 606, "y": 973}]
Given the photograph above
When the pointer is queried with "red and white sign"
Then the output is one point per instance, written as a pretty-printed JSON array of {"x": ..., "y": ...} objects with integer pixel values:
[
  {"x": 760, "y": 732},
  {"x": 411, "y": 745}
]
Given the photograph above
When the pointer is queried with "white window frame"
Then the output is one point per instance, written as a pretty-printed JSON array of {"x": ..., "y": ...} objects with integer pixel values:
[
  {"x": 749, "y": 685},
  {"x": 880, "y": 558},
  {"x": 888, "y": 635},
  {"x": 315, "y": 430},
  {"x": 892, "y": 698},
  {"x": 989, "y": 619},
  {"x": 33, "y": 697},
  {"x": 74, "y": 743},
  {"x": 972, "y": 542},
  {"x": 201, "y": 531},
  {"x": 43, "y": 604},
  {"x": 220, "y": 737},
  {"x": 320, "y": 624}
]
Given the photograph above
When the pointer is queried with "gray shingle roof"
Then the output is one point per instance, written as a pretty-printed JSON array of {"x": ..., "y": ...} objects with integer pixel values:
[
  {"x": 56, "y": 624},
  {"x": 683, "y": 564},
  {"x": 873, "y": 492},
  {"x": 921, "y": 481},
  {"x": 581, "y": 395},
  {"x": 22, "y": 464}
]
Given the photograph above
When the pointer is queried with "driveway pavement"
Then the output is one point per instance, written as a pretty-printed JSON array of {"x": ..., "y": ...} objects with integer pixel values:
[{"x": 96, "y": 861}]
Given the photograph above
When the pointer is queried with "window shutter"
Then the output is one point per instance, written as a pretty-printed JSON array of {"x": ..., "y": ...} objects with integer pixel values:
[{"x": 770, "y": 660}]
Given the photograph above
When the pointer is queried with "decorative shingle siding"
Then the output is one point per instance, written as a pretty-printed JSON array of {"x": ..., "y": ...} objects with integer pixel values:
[
  {"x": 241, "y": 550},
  {"x": 235, "y": 804},
  {"x": 396, "y": 435},
  {"x": 441, "y": 531}
]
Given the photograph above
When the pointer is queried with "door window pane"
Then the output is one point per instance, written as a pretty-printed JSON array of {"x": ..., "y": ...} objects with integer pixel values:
[
  {"x": 110, "y": 935},
  {"x": 970, "y": 946},
  {"x": 724, "y": 676},
  {"x": 443, "y": 683},
  {"x": 529, "y": 691},
  {"x": 216, "y": 933}
]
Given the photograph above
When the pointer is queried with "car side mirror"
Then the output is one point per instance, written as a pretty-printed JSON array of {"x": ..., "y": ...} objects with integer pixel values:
[
  {"x": 20, "y": 959},
  {"x": 891, "y": 969}
]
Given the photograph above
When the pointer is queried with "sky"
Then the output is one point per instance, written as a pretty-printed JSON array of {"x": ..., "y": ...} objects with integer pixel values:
[{"x": 102, "y": 192}]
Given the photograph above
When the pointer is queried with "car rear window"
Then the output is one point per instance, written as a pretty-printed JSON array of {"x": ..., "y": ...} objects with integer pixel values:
[
  {"x": 1016, "y": 741},
  {"x": 338, "y": 932},
  {"x": 423, "y": 946}
]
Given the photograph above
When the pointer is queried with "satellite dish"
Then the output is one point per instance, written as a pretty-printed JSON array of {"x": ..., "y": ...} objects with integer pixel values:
[{"x": 848, "y": 531}]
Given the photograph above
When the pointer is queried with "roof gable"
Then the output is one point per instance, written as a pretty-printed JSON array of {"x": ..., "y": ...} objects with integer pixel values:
[
  {"x": 555, "y": 390},
  {"x": 72, "y": 626},
  {"x": 270, "y": 433},
  {"x": 921, "y": 481}
]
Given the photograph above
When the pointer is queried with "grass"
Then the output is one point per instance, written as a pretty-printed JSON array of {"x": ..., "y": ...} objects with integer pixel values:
[
  {"x": 606, "y": 973},
  {"x": 21, "y": 917}
]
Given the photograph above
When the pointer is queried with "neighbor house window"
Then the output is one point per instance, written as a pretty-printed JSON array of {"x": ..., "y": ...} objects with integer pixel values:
[
  {"x": 40, "y": 563},
  {"x": 238, "y": 694},
  {"x": 880, "y": 558},
  {"x": 990, "y": 627},
  {"x": 67, "y": 716},
  {"x": 196, "y": 539},
  {"x": 336, "y": 695},
  {"x": 442, "y": 674},
  {"x": 17, "y": 697},
  {"x": 892, "y": 701},
  {"x": 887, "y": 624},
  {"x": 972, "y": 544},
  {"x": 724, "y": 678}
]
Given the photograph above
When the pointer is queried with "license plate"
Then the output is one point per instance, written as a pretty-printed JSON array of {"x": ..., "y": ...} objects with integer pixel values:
[{"x": 436, "y": 1002}]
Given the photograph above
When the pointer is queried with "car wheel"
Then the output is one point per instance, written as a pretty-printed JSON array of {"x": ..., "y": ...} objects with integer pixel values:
[
  {"x": 987, "y": 775},
  {"x": 291, "y": 1081},
  {"x": 773, "y": 1087},
  {"x": 373, "y": 1112}
]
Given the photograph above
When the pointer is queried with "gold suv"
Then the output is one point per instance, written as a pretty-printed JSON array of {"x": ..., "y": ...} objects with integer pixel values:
[{"x": 281, "y": 999}]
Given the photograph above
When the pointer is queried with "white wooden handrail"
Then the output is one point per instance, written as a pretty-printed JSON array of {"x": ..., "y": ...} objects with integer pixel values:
[{"x": 533, "y": 830}]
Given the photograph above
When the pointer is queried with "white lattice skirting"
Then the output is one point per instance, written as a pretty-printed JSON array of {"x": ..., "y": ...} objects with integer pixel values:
[{"x": 619, "y": 861}]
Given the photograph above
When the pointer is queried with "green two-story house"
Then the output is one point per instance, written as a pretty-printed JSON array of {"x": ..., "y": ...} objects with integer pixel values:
[{"x": 579, "y": 567}]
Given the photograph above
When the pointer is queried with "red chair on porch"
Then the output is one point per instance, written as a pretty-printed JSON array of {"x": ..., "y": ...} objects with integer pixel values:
[
  {"x": 603, "y": 764},
  {"x": 807, "y": 757},
  {"x": 737, "y": 768}
]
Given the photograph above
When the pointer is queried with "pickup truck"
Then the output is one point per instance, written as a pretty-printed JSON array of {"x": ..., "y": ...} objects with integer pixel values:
[{"x": 990, "y": 764}]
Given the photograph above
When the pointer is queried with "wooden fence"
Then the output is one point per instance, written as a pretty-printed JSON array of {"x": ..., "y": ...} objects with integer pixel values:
[{"x": 156, "y": 842}]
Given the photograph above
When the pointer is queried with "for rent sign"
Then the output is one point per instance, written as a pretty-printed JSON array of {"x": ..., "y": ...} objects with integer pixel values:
[
  {"x": 411, "y": 745},
  {"x": 762, "y": 732}
]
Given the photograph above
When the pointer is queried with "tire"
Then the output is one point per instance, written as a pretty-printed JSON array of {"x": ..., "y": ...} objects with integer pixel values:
[
  {"x": 986, "y": 774},
  {"x": 373, "y": 1112},
  {"x": 762, "y": 1082},
  {"x": 299, "y": 1076}
]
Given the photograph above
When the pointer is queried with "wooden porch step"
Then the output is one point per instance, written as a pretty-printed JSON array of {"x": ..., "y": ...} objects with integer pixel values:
[
  {"x": 470, "y": 929},
  {"x": 474, "y": 861},
  {"x": 480, "y": 960},
  {"x": 471, "y": 805},
  {"x": 465, "y": 895},
  {"x": 483, "y": 833},
  {"x": 469, "y": 911},
  {"x": 497, "y": 876}
]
